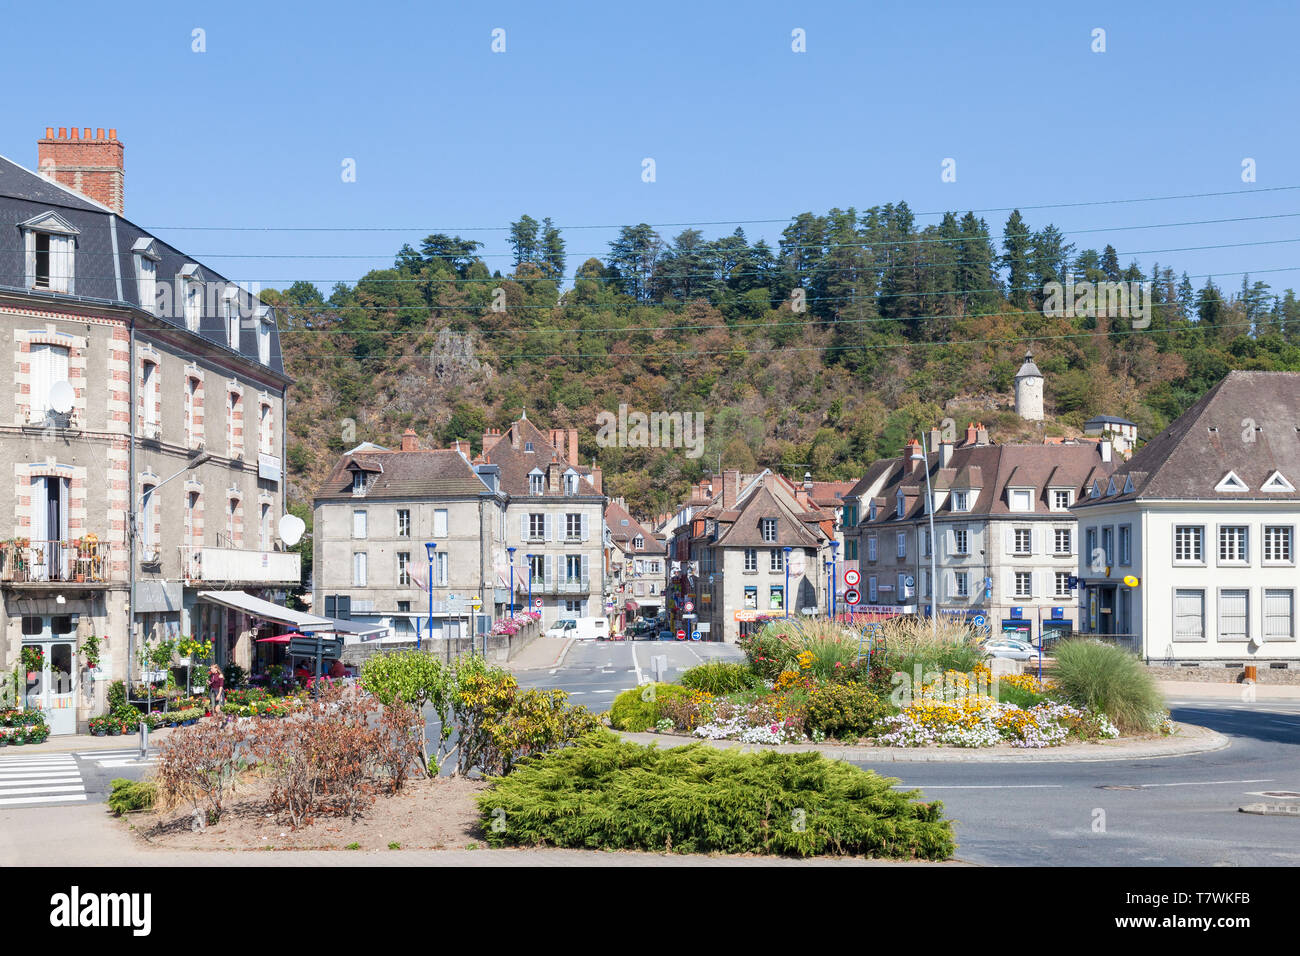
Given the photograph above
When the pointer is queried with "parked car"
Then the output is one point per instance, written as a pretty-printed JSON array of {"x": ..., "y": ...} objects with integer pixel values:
[
  {"x": 1009, "y": 647},
  {"x": 565, "y": 627},
  {"x": 665, "y": 635}
]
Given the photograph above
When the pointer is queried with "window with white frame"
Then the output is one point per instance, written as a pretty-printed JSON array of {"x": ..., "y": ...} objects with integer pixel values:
[
  {"x": 440, "y": 522},
  {"x": 1090, "y": 537},
  {"x": 358, "y": 483},
  {"x": 1234, "y": 614},
  {"x": 358, "y": 523},
  {"x": 1189, "y": 614},
  {"x": 403, "y": 569},
  {"x": 961, "y": 501},
  {"x": 1108, "y": 544},
  {"x": 51, "y": 256},
  {"x": 751, "y": 559},
  {"x": 150, "y": 397},
  {"x": 901, "y": 504},
  {"x": 902, "y": 545},
  {"x": 1022, "y": 541},
  {"x": 359, "y": 569},
  {"x": 536, "y": 483},
  {"x": 1061, "y": 500},
  {"x": 638, "y": 543},
  {"x": 960, "y": 541},
  {"x": 264, "y": 321},
  {"x": 961, "y": 584},
  {"x": 1278, "y": 544},
  {"x": 231, "y": 307},
  {"x": 146, "y": 280},
  {"x": 440, "y": 559},
  {"x": 193, "y": 305},
  {"x": 148, "y": 544},
  {"x": 1189, "y": 544},
  {"x": 776, "y": 559},
  {"x": 768, "y": 527},
  {"x": 47, "y": 364},
  {"x": 871, "y": 548},
  {"x": 573, "y": 526},
  {"x": 573, "y": 568},
  {"x": 403, "y": 522},
  {"x": 1020, "y": 500},
  {"x": 1125, "y": 545},
  {"x": 1062, "y": 584},
  {"x": 536, "y": 567},
  {"x": 1279, "y": 614},
  {"x": 264, "y": 527},
  {"x": 1062, "y": 543},
  {"x": 571, "y": 484},
  {"x": 1024, "y": 584},
  {"x": 536, "y": 527},
  {"x": 1233, "y": 544}
]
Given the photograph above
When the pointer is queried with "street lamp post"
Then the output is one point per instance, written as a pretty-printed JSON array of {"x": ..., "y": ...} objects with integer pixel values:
[
  {"x": 786, "y": 595},
  {"x": 430, "y": 547},
  {"x": 923, "y": 457},
  {"x": 512, "y": 551},
  {"x": 834, "y": 577}
]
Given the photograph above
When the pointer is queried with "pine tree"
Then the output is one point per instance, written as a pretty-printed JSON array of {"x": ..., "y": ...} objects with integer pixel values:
[{"x": 1016, "y": 243}]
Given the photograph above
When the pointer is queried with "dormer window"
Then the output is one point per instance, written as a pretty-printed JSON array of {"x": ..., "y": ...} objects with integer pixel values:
[
  {"x": 1231, "y": 482},
  {"x": 1276, "y": 482},
  {"x": 50, "y": 242},
  {"x": 358, "y": 483},
  {"x": 1062, "y": 499},
  {"x": 768, "y": 527},
  {"x": 192, "y": 285},
  {"x": 536, "y": 482},
  {"x": 570, "y": 482},
  {"x": 230, "y": 310},
  {"x": 265, "y": 320},
  {"x": 146, "y": 274},
  {"x": 961, "y": 501},
  {"x": 1020, "y": 499},
  {"x": 638, "y": 543},
  {"x": 528, "y": 446},
  {"x": 871, "y": 511},
  {"x": 902, "y": 504}
]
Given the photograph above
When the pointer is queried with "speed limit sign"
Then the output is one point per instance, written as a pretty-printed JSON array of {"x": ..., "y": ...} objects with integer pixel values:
[{"x": 852, "y": 578}]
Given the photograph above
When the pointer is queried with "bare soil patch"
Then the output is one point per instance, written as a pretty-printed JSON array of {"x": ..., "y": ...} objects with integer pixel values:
[{"x": 426, "y": 814}]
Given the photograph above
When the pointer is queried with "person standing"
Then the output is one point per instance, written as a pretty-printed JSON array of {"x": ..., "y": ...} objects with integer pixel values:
[{"x": 216, "y": 688}]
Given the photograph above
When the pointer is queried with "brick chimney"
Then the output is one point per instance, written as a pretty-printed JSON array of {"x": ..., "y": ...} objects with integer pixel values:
[
  {"x": 913, "y": 448},
  {"x": 573, "y": 446},
  {"x": 490, "y": 438},
  {"x": 597, "y": 479},
  {"x": 730, "y": 487},
  {"x": 970, "y": 433},
  {"x": 410, "y": 441},
  {"x": 93, "y": 167}
]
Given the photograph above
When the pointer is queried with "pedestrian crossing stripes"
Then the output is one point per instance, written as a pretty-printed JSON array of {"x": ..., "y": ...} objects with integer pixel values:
[{"x": 32, "y": 779}]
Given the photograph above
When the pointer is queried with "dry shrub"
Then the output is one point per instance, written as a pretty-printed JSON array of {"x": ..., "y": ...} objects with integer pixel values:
[{"x": 197, "y": 765}]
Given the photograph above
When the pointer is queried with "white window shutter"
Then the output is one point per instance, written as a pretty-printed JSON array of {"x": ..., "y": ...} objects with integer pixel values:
[
  {"x": 950, "y": 583},
  {"x": 584, "y": 569},
  {"x": 69, "y": 264},
  {"x": 585, "y": 532},
  {"x": 950, "y": 542},
  {"x": 523, "y": 527},
  {"x": 30, "y": 243},
  {"x": 546, "y": 524},
  {"x": 549, "y": 575},
  {"x": 1009, "y": 584},
  {"x": 1011, "y": 539}
]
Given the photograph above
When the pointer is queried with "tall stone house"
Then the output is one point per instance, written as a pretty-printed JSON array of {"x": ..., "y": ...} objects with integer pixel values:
[
  {"x": 637, "y": 558},
  {"x": 144, "y": 437},
  {"x": 375, "y": 516},
  {"x": 1006, "y": 543}
]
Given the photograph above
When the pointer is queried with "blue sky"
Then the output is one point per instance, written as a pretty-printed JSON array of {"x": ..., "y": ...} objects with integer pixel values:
[{"x": 448, "y": 135}]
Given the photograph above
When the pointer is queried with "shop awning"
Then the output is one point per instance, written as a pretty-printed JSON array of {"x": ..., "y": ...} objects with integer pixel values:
[
  {"x": 356, "y": 628},
  {"x": 241, "y": 601},
  {"x": 631, "y": 605}
]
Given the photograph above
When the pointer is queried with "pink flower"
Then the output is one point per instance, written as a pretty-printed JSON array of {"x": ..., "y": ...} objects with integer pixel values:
[{"x": 776, "y": 728}]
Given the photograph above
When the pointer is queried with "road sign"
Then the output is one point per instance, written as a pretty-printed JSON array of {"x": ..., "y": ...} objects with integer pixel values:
[
  {"x": 681, "y": 635},
  {"x": 909, "y": 581},
  {"x": 851, "y": 596},
  {"x": 537, "y": 603},
  {"x": 690, "y": 606},
  {"x": 1072, "y": 583},
  {"x": 978, "y": 620},
  {"x": 852, "y": 578},
  {"x": 695, "y": 635},
  {"x": 311, "y": 646}
]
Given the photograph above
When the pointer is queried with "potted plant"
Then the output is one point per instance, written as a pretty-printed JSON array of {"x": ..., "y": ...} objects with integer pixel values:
[
  {"x": 90, "y": 648},
  {"x": 38, "y": 734},
  {"x": 99, "y": 725},
  {"x": 18, "y": 737},
  {"x": 4, "y": 739},
  {"x": 33, "y": 659}
]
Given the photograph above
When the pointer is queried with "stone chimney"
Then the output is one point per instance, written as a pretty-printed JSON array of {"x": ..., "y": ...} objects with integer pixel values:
[
  {"x": 93, "y": 167},
  {"x": 935, "y": 439},
  {"x": 1105, "y": 447},
  {"x": 490, "y": 438},
  {"x": 410, "y": 441},
  {"x": 909, "y": 461},
  {"x": 981, "y": 434},
  {"x": 945, "y": 454}
]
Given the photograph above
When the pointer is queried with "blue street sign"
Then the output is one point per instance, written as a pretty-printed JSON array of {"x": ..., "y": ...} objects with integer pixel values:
[
  {"x": 978, "y": 620},
  {"x": 695, "y": 635},
  {"x": 1073, "y": 582}
]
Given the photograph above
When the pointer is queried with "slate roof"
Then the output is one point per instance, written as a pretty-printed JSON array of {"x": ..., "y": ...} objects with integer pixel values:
[
  {"x": 624, "y": 528},
  {"x": 1198, "y": 449},
  {"x": 25, "y": 195},
  {"x": 440, "y": 473},
  {"x": 746, "y": 531},
  {"x": 517, "y": 463}
]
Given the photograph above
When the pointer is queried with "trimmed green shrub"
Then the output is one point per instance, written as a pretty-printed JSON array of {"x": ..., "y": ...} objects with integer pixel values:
[
  {"x": 610, "y": 794},
  {"x": 721, "y": 677},
  {"x": 843, "y": 711},
  {"x": 637, "y": 710},
  {"x": 1108, "y": 679},
  {"x": 1024, "y": 699},
  {"x": 129, "y": 796}
]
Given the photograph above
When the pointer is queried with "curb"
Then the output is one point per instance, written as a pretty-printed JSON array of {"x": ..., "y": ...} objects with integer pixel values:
[{"x": 1188, "y": 739}]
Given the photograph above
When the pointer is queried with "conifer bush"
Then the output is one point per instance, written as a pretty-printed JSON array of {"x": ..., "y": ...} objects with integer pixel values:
[
  {"x": 610, "y": 794},
  {"x": 639, "y": 709}
]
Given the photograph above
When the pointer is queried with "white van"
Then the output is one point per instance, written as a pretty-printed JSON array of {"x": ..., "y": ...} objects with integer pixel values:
[{"x": 582, "y": 628}]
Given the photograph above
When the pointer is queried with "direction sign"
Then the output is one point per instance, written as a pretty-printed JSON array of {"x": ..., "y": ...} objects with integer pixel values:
[
  {"x": 851, "y": 596},
  {"x": 852, "y": 578},
  {"x": 681, "y": 635},
  {"x": 909, "y": 581},
  {"x": 978, "y": 620},
  {"x": 690, "y": 606},
  {"x": 695, "y": 635},
  {"x": 310, "y": 646}
]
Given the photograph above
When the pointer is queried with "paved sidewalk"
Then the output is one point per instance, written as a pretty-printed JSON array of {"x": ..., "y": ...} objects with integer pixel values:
[
  {"x": 75, "y": 743},
  {"x": 1188, "y": 739},
  {"x": 1227, "y": 690},
  {"x": 542, "y": 652},
  {"x": 89, "y": 836}
]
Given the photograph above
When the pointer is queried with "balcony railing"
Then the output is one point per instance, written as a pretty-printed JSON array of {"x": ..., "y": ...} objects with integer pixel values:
[
  {"x": 232, "y": 565},
  {"x": 562, "y": 586},
  {"x": 72, "y": 560}
]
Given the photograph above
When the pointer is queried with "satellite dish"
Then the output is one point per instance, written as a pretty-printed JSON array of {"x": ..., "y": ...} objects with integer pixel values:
[
  {"x": 61, "y": 397},
  {"x": 291, "y": 529}
]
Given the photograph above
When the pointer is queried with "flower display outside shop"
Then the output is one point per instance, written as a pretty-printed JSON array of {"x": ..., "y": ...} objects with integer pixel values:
[{"x": 510, "y": 626}]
